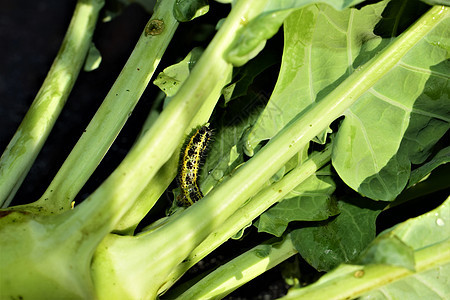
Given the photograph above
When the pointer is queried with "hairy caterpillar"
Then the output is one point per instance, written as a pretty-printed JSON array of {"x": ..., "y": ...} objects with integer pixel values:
[{"x": 190, "y": 161}]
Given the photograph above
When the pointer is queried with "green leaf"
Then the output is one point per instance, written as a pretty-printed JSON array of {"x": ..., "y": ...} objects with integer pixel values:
[
  {"x": 330, "y": 243},
  {"x": 310, "y": 201},
  {"x": 442, "y": 157},
  {"x": 429, "y": 178},
  {"x": 186, "y": 10},
  {"x": 428, "y": 235},
  {"x": 93, "y": 59},
  {"x": 320, "y": 47},
  {"x": 437, "y": 2},
  {"x": 253, "y": 36},
  {"x": 171, "y": 79},
  {"x": 244, "y": 77},
  {"x": 398, "y": 16},
  {"x": 396, "y": 246},
  {"x": 418, "y": 233},
  {"x": 397, "y": 121},
  {"x": 425, "y": 230},
  {"x": 432, "y": 284},
  {"x": 226, "y": 149},
  {"x": 251, "y": 39},
  {"x": 389, "y": 250}
]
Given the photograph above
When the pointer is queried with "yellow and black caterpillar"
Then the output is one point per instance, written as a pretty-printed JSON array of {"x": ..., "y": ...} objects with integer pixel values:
[{"x": 190, "y": 160}]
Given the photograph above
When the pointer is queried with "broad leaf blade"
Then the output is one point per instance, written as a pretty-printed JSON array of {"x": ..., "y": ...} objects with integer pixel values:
[
  {"x": 186, "y": 10},
  {"x": 310, "y": 201},
  {"x": 432, "y": 284},
  {"x": 428, "y": 235},
  {"x": 442, "y": 157},
  {"x": 172, "y": 77},
  {"x": 321, "y": 45},
  {"x": 253, "y": 36},
  {"x": 418, "y": 233},
  {"x": 397, "y": 121},
  {"x": 326, "y": 245}
]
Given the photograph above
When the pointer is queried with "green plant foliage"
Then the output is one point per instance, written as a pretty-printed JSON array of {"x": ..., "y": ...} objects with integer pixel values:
[
  {"x": 437, "y": 2},
  {"x": 253, "y": 36},
  {"x": 171, "y": 78},
  {"x": 389, "y": 250},
  {"x": 328, "y": 244},
  {"x": 416, "y": 235},
  {"x": 315, "y": 64},
  {"x": 409, "y": 107},
  {"x": 383, "y": 277},
  {"x": 93, "y": 59},
  {"x": 310, "y": 201},
  {"x": 186, "y": 10},
  {"x": 442, "y": 157}
]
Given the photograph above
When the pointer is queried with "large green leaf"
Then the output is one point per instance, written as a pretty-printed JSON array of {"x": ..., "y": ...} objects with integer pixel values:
[
  {"x": 186, "y": 10},
  {"x": 421, "y": 232},
  {"x": 327, "y": 244},
  {"x": 310, "y": 201},
  {"x": 172, "y": 77},
  {"x": 430, "y": 285},
  {"x": 397, "y": 121},
  {"x": 320, "y": 47},
  {"x": 429, "y": 238},
  {"x": 442, "y": 157},
  {"x": 253, "y": 36},
  {"x": 226, "y": 151}
]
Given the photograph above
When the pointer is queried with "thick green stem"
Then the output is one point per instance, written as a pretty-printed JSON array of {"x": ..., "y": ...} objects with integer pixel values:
[
  {"x": 46, "y": 107},
  {"x": 250, "y": 211},
  {"x": 114, "y": 111},
  {"x": 241, "y": 270}
]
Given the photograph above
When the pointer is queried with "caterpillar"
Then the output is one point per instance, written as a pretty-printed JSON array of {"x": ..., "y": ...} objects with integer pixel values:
[{"x": 190, "y": 160}]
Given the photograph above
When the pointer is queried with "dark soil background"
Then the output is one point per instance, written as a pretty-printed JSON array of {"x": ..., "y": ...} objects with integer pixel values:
[{"x": 31, "y": 33}]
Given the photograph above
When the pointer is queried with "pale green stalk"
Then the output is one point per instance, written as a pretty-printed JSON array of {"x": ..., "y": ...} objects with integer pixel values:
[
  {"x": 114, "y": 111},
  {"x": 250, "y": 211},
  {"x": 29, "y": 138},
  {"x": 351, "y": 281},
  {"x": 241, "y": 270}
]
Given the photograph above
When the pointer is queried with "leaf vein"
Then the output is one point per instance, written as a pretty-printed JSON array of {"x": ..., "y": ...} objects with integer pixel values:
[
  {"x": 311, "y": 87},
  {"x": 366, "y": 138},
  {"x": 431, "y": 115},
  {"x": 423, "y": 70},
  {"x": 422, "y": 280},
  {"x": 389, "y": 100},
  {"x": 384, "y": 293},
  {"x": 405, "y": 108},
  {"x": 372, "y": 152},
  {"x": 349, "y": 43},
  {"x": 332, "y": 23}
]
